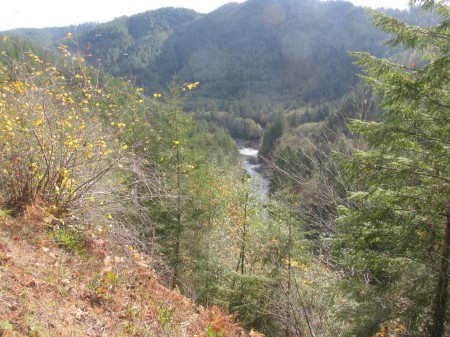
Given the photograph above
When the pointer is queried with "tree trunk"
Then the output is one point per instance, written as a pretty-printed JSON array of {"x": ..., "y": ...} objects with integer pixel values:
[
  {"x": 437, "y": 327},
  {"x": 241, "y": 261},
  {"x": 179, "y": 227}
]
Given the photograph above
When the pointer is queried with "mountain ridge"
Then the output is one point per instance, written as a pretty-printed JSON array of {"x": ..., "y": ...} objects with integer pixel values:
[{"x": 250, "y": 58}]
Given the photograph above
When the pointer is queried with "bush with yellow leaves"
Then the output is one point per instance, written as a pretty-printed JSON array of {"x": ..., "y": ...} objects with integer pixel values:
[{"x": 53, "y": 142}]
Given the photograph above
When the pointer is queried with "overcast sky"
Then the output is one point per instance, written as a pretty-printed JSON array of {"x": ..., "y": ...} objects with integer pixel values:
[{"x": 54, "y": 13}]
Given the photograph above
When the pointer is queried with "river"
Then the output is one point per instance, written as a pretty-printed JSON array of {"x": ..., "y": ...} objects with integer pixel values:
[{"x": 252, "y": 166}]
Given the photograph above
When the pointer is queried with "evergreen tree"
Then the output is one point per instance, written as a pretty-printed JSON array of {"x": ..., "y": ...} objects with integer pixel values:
[
  {"x": 173, "y": 156},
  {"x": 394, "y": 238}
]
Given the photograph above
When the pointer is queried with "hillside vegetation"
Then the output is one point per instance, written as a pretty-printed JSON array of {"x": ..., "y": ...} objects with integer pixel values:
[
  {"x": 254, "y": 59},
  {"x": 77, "y": 281},
  {"x": 105, "y": 184},
  {"x": 72, "y": 156},
  {"x": 251, "y": 58},
  {"x": 258, "y": 52}
]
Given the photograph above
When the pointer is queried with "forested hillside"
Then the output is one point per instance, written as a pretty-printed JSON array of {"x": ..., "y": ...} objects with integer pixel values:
[
  {"x": 128, "y": 46},
  {"x": 272, "y": 52},
  {"x": 253, "y": 59},
  {"x": 139, "y": 170},
  {"x": 250, "y": 57}
]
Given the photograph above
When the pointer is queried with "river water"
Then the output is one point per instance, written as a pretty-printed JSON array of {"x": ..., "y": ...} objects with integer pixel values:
[{"x": 252, "y": 166}]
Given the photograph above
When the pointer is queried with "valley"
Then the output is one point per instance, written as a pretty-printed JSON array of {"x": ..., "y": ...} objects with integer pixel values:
[{"x": 272, "y": 168}]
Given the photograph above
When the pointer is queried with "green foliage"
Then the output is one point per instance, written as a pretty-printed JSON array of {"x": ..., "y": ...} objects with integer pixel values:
[
  {"x": 287, "y": 51},
  {"x": 70, "y": 238},
  {"x": 221, "y": 148},
  {"x": 48, "y": 37},
  {"x": 237, "y": 126},
  {"x": 211, "y": 333},
  {"x": 63, "y": 126},
  {"x": 177, "y": 161},
  {"x": 128, "y": 46},
  {"x": 6, "y": 326},
  {"x": 182, "y": 202},
  {"x": 166, "y": 315},
  {"x": 4, "y": 213},
  {"x": 395, "y": 232},
  {"x": 273, "y": 133},
  {"x": 290, "y": 52}
]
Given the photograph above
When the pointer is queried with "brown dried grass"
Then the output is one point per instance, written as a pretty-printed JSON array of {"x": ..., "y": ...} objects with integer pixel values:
[{"x": 111, "y": 290}]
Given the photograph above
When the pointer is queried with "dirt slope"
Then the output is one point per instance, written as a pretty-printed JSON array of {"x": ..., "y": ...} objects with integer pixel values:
[{"x": 60, "y": 281}]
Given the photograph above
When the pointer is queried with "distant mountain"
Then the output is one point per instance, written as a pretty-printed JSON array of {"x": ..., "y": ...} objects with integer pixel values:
[
  {"x": 254, "y": 56},
  {"x": 48, "y": 37},
  {"x": 127, "y": 46},
  {"x": 270, "y": 51}
]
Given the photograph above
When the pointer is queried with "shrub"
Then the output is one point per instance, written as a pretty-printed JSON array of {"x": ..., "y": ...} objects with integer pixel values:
[{"x": 53, "y": 142}]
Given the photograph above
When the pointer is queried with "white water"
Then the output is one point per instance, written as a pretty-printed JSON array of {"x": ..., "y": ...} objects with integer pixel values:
[
  {"x": 251, "y": 165},
  {"x": 248, "y": 151}
]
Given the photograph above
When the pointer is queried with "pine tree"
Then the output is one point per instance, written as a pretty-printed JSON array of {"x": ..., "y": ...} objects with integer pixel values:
[
  {"x": 173, "y": 157},
  {"x": 394, "y": 238}
]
